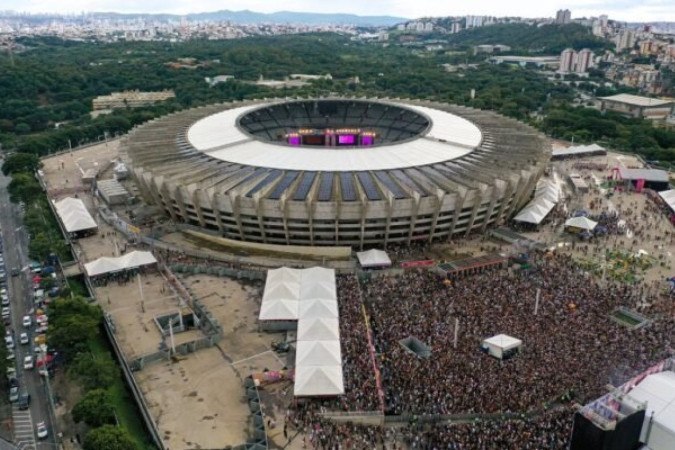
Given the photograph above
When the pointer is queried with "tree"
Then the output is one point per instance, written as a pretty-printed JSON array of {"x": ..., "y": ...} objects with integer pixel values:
[
  {"x": 94, "y": 371},
  {"x": 20, "y": 162},
  {"x": 109, "y": 437},
  {"x": 95, "y": 409},
  {"x": 71, "y": 335},
  {"x": 23, "y": 188}
]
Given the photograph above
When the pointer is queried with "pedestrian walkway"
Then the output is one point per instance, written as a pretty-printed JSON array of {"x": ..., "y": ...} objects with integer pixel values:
[{"x": 24, "y": 431}]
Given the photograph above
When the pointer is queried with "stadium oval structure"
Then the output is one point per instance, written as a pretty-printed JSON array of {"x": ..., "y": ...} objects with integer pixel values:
[{"x": 337, "y": 171}]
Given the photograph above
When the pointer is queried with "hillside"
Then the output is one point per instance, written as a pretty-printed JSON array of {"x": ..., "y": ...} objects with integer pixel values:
[{"x": 548, "y": 39}]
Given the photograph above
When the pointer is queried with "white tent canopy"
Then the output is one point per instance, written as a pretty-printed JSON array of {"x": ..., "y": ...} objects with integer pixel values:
[
  {"x": 546, "y": 196},
  {"x": 129, "y": 261},
  {"x": 373, "y": 258},
  {"x": 318, "y": 381},
  {"x": 583, "y": 223},
  {"x": 310, "y": 297},
  {"x": 669, "y": 197},
  {"x": 500, "y": 344},
  {"x": 658, "y": 392},
  {"x": 74, "y": 215}
]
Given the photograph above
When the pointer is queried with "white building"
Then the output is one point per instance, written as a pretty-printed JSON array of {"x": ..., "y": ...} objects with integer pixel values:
[
  {"x": 563, "y": 16},
  {"x": 625, "y": 40},
  {"x": 567, "y": 58},
  {"x": 584, "y": 61}
]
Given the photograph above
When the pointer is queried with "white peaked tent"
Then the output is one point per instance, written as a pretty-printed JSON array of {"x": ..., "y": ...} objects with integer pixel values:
[
  {"x": 318, "y": 330},
  {"x": 373, "y": 258},
  {"x": 313, "y": 381},
  {"x": 546, "y": 196},
  {"x": 583, "y": 223},
  {"x": 310, "y": 297},
  {"x": 669, "y": 197},
  {"x": 500, "y": 344},
  {"x": 74, "y": 215},
  {"x": 129, "y": 261},
  {"x": 318, "y": 353}
]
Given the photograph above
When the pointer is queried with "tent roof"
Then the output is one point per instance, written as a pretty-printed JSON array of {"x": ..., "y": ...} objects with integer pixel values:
[
  {"x": 318, "y": 353},
  {"x": 578, "y": 150},
  {"x": 658, "y": 391},
  {"x": 669, "y": 197},
  {"x": 319, "y": 330},
  {"x": 110, "y": 265},
  {"x": 503, "y": 341},
  {"x": 279, "y": 310},
  {"x": 373, "y": 258},
  {"x": 318, "y": 309},
  {"x": 581, "y": 222},
  {"x": 655, "y": 175},
  {"x": 318, "y": 381},
  {"x": 74, "y": 215}
]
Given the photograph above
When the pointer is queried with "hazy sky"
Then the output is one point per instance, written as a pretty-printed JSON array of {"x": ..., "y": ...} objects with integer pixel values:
[{"x": 625, "y": 10}]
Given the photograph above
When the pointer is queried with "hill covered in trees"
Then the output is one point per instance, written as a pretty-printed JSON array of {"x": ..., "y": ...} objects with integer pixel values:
[{"x": 546, "y": 39}]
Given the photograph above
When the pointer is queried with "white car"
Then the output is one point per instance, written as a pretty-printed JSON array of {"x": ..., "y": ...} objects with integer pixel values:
[
  {"x": 28, "y": 363},
  {"x": 23, "y": 338},
  {"x": 5, "y": 311},
  {"x": 9, "y": 341},
  {"x": 10, "y": 355},
  {"x": 5, "y": 299},
  {"x": 41, "y": 430},
  {"x": 27, "y": 321}
]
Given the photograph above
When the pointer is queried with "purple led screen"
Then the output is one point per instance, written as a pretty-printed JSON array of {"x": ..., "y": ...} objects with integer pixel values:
[
  {"x": 346, "y": 139},
  {"x": 367, "y": 140},
  {"x": 294, "y": 140}
]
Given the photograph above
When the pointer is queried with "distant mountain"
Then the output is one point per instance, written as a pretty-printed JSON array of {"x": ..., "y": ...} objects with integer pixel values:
[{"x": 247, "y": 17}]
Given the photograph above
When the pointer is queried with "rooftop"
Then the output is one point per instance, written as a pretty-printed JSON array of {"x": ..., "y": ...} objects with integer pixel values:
[{"x": 638, "y": 100}]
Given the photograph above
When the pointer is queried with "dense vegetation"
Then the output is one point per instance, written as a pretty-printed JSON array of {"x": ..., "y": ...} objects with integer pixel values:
[
  {"x": 34, "y": 101},
  {"x": 547, "y": 39}
]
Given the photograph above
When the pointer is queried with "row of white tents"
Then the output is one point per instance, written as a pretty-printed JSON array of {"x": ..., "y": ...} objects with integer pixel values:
[
  {"x": 131, "y": 260},
  {"x": 546, "y": 196},
  {"x": 308, "y": 296},
  {"x": 74, "y": 215},
  {"x": 669, "y": 197}
]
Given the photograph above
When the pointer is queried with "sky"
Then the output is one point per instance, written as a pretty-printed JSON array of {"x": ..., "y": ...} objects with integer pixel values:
[{"x": 622, "y": 10}]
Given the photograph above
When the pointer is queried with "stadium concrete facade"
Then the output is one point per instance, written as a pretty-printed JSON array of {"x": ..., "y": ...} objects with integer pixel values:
[{"x": 337, "y": 171}]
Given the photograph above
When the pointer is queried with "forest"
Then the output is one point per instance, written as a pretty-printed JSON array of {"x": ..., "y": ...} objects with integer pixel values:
[{"x": 46, "y": 91}]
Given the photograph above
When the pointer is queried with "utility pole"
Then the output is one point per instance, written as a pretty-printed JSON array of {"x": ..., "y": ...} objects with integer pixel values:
[
  {"x": 456, "y": 332},
  {"x": 536, "y": 301}
]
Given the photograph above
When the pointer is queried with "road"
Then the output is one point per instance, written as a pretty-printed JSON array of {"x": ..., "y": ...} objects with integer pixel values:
[{"x": 15, "y": 250}]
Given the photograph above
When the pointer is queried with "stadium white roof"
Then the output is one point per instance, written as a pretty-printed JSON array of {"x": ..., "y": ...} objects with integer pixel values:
[
  {"x": 449, "y": 137},
  {"x": 74, "y": 215},
  {"x": 669, "y": 197},
  {"x": 310, "y": 297},
  {"x": 578, "y": 150},
  {"x": 637, "y": 100},
  {"x": 131, "y": 260},
  {"x": 658, "y": 392},
  {"x": 373, "y": 258}
]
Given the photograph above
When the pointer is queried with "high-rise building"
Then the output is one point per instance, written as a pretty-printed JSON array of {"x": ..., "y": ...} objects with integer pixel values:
[
  {"x": 584, "y": 61},
  {"x": 625, "y": 40},
  {"x": 563, "y": 16},
  {"x": 567, "y": 58},
  {"x": 456, "y": 27},
  {"x": 604, "y": 21}
]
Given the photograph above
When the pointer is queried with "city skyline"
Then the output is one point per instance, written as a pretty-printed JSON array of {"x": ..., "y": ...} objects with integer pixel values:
[{"x": 623, "y": 10}]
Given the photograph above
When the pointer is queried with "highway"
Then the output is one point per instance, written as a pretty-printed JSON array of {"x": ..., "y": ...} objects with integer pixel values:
[{"x": 15, "y": 251}]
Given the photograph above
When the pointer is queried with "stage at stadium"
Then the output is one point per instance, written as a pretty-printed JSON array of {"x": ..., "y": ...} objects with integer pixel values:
[{"x": 337, "y": 171}]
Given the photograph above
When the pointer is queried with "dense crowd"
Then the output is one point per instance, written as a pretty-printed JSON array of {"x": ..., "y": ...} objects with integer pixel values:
[{"x": 569, "y": 347}]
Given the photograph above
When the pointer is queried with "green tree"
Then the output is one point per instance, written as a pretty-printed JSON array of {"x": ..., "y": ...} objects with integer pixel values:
[
  {"x": 95, "y": 409},
  {"x": 72, "y": 324},
  {"x": 108, "y": 437},
  {"x": 20, "y": 162},
  {"x": 23, "y": 188},
  {"x": 94, "y": 371}
]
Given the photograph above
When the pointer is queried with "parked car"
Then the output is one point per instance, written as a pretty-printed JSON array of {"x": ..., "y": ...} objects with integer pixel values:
[
  {"x": 14, "y": 394},
  {"x": 5, "y": 299},
  {"x": 10, "y": 355},
  {"x": 9, "y": 341},
  {"x": 23, "y": 338},
  {"x": 24, "y": 400},
  {"x": 27, "y": 321},
  {"x": 28, "y": 363},
  {"x": 5, "y": 311},
  {"x": 41, "y": 430}
]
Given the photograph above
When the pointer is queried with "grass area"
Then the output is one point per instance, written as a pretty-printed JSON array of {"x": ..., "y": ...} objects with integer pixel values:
[
  {"x": 125, "y": 407},
  {"x": 77, "y": 287}
]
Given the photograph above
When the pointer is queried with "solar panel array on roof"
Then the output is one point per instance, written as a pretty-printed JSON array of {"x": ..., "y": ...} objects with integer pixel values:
[
  {"x": 283, "y": 185},
  {"x": 368, "y": 185},
  {"x": 273, "y": 175},
  {"x": 390, "y": 184},
  {"x": 257, "y": 172},
  {"x": 405, "y": 179},
  {"x": 304, "y": 186},
  {"x": 347, "y": 187},
  {"x": 326, "y": 187}
]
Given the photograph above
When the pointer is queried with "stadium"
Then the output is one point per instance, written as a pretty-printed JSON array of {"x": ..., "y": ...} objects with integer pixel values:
[{"x": 337, "y": 171}]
